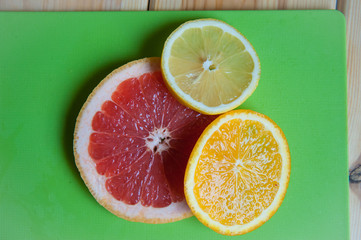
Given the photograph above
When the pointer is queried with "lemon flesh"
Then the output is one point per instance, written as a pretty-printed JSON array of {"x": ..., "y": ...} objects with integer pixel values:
[{"x": 210, "y": 66}]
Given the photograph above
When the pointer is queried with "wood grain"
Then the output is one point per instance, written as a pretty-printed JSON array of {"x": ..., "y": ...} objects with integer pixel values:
[
  {"x": 240, "y": 4},
  {"x": 352, "y": 10},
  {"x": 73, "y": 5}
]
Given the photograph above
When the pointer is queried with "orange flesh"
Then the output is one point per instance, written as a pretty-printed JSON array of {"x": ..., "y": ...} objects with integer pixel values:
[{"x": 237, "y": 175}]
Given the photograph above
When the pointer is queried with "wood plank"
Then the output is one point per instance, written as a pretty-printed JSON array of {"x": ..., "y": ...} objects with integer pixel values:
[
  {"x": 243, "y": 4},
  {"x": 71, "y": 5},
  {"x": 352, "y": 9}
]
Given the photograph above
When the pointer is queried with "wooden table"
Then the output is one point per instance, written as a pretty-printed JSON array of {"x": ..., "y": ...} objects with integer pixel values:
[{"x": 350, "y": 8}]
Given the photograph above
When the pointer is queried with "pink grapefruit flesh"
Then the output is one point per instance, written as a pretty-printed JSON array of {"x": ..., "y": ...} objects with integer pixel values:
[{"x": 132, "y": 143}]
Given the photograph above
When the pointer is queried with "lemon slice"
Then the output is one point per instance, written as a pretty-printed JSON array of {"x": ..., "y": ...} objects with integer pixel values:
[
  {"x": 238, "y": 172},
  {"x": 209, "y": 66}
]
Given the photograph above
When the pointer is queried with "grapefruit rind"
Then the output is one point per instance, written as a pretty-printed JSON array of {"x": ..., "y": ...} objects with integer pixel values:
[
  {"x": 196, "y": 153},
  {"x": 86, "y": 166}
]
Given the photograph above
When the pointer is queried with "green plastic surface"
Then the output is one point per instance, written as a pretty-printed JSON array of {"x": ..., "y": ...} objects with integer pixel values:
[{"x": 50, "y": 62}]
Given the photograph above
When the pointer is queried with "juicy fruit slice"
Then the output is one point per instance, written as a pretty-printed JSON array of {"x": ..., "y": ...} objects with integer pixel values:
[
  {"x": 209, "y": 66},
  {"x": 132, "y": 142},
  {"x": 238, "y": 172}
]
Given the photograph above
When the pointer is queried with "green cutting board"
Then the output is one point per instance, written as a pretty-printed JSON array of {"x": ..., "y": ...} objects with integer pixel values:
[{"x": 50, "y": 62}]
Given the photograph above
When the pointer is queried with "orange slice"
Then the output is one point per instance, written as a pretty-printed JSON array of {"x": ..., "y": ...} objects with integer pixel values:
[{"x": 238, "y": 172}]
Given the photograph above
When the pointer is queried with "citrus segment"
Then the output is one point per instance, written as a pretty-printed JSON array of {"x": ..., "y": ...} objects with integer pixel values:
[
  {"x": 210, "y": 66},
  {"x": 132, "y": 143},
  {"x": 238, "y": 172},
  {"x": 246, "y": 170}
]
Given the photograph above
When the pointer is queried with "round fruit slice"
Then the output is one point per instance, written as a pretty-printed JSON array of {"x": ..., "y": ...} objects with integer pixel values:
[
  {"x": 238, "y": 172},
  {"x": 132, "y": 142},
  {"x": 209, "y": 66}
]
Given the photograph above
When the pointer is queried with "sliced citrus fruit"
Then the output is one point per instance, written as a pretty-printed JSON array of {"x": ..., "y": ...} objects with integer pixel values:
[
  {"x": 210, "y": 66},
  {"x": 238, "y": 172},
  {"x": 132, "y": 141}
]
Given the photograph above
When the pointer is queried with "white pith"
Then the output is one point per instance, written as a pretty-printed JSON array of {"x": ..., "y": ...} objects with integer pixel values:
[
  {"x": 207, "y": 64},
  {"x": 158, "y": 140}
]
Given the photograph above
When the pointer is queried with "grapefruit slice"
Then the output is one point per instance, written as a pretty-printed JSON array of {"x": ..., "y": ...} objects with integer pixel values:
[{"x": 132, "y": 142}]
